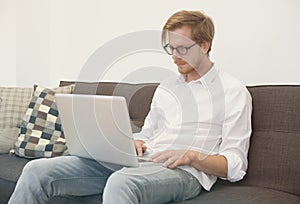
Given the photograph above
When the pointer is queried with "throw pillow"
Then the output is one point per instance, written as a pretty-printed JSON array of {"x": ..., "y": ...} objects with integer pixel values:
[
  {"x": 41, "y": 133},
  {"x": 13, "y": 105}
]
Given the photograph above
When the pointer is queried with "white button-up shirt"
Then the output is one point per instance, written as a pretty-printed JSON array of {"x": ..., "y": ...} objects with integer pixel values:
[{"x": 211, "y": 115}]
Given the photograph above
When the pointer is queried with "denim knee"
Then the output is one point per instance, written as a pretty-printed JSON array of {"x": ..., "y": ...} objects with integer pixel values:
[
  {"x": 35, "y": 171},
  {"x": 122, "y": 188},
  {"x": 31, "y": 166}
]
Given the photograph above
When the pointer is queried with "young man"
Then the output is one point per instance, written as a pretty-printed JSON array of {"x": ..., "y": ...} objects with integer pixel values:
[{"x": 198, "y": 129}]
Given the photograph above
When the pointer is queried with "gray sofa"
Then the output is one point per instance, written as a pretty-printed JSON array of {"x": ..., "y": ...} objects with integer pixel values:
[{"x": 273, "y": 175}]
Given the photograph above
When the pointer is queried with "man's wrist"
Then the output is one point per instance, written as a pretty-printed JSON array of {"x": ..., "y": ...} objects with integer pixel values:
[{"x": 195, "y": 158}]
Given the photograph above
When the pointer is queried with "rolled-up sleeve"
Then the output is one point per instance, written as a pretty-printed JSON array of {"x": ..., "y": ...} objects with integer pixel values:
[{"x": 236, "y": 133}]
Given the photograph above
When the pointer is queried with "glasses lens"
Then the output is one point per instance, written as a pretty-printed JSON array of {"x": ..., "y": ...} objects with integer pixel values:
[{"x": 181, "y": 50}]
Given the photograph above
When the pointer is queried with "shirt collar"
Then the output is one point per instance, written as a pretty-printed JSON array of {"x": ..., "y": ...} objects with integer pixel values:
[
  {"x": 209, "y": 77},
  {"x": 206, "y": 79}
]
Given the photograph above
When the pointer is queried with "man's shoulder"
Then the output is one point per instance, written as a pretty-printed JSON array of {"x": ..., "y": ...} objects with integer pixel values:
[
  {"x": 229, "y": 82},
  {"x": 234, "y": 88}
]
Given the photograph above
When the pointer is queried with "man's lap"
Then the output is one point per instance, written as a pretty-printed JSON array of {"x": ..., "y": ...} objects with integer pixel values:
[
  {"x": 71, "y": 175},
  {"x": 151, "y": 184}
]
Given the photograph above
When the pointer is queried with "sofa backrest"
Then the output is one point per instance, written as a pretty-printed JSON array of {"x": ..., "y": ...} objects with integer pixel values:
[{"x": 274, "y": 154}]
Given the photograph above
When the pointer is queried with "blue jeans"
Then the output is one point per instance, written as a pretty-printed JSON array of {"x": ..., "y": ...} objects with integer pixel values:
[{"x": 69, "y": 175}]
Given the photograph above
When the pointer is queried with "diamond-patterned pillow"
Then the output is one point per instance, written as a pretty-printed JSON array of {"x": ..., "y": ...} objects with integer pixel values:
[{"x": 41, "y": 133}]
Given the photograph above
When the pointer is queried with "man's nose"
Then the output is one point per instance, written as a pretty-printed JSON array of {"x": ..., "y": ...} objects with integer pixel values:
[{"x": 175, "y": 55}]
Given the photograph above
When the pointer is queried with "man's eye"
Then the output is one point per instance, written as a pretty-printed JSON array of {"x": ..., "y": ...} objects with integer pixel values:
[{"x": 181, "y": 48}]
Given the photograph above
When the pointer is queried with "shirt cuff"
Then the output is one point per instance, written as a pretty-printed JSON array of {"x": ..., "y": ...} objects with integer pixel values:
[
  {"x": 235, "y": 167},
  {"x": 139, "y": 136}
]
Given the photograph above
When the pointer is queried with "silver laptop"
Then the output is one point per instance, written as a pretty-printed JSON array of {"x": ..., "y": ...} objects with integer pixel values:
[{"x": 98, "y": 127}]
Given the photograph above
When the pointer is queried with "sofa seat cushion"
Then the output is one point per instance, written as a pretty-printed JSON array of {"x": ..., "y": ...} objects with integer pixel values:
[
  {"x": 11, "y": 168},
  {"x": 231, "y": 194}
]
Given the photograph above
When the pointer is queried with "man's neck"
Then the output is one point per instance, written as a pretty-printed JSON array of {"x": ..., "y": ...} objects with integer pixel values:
[{"x": 197, "y": 74}]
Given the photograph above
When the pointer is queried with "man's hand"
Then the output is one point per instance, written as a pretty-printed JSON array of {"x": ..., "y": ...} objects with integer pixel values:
[
  {"x": 140, "y": 147},
  {"x": 174, "y": 158},
  {"x": 211, "y": 164}
]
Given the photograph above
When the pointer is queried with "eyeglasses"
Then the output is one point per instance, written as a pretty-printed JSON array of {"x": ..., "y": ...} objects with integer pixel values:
[{"x": 180, "y": 49}]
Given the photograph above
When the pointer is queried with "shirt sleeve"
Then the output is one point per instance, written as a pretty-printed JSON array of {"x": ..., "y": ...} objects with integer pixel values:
[
  {"x": 236, "y": 132},
  {"x": 152, "y": 120}
]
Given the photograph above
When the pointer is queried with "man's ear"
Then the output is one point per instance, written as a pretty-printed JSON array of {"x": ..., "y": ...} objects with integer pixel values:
[{"x": 205, "y": 47}]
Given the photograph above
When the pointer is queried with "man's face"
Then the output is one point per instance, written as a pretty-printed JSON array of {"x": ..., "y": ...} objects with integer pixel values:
[{"x": 189, "y": 63}]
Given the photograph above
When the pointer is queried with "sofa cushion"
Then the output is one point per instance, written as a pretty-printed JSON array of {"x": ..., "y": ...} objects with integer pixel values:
[
  {"x": 11, "y": 168},
  {"x": 13, "y": 104},
  {"x": 275, "y": 142},
  {"x": 231, "y": 194},
  {"x": 41, "y": 133},
  {"x": 138, "y": 96}
]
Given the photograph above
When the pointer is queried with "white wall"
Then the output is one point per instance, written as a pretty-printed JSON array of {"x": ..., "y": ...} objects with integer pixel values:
[
  {"x": 45, "y": 41},
  {"x": 7, "y": 43}
]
